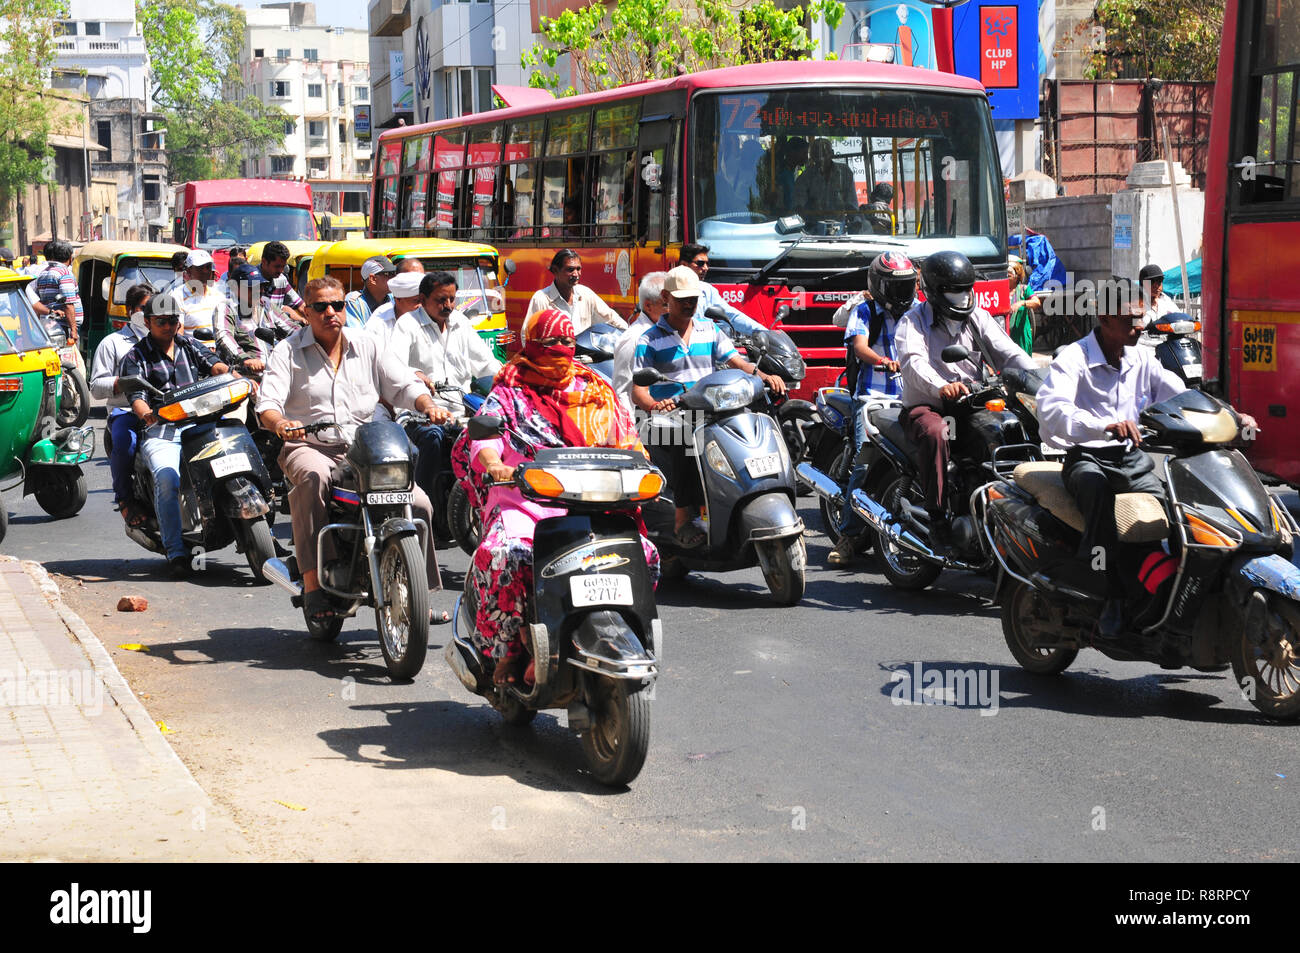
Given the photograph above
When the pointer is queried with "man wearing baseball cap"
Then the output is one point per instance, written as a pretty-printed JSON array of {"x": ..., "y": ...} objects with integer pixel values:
[
  {"x": 1155, "y": 303},
  {"x": 200, "y": 301},
  {"x": 685, "y": 349},
  {"x": 359, "y": 305},
  {"x": 381, "y": 321}
]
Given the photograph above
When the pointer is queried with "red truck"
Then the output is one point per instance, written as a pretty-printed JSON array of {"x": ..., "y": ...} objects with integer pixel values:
[{"x": 220, "y": 213}]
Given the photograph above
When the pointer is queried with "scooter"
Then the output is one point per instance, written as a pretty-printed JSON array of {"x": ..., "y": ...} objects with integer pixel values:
[
  {"x": 749, "y": 485},
  {"x": 595, "y": 347},
  {"x": 1177, "y": 348},
  {"x": 593, "y": 630},
  {"x": 378, "y": 553},
  {"x": 224, "y": 486},
  {"x": 1223, "y": 589},
  {"x": 998, "y": 432}
]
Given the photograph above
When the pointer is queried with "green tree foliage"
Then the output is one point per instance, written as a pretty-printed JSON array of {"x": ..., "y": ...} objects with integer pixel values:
[
  {"x": 26, "y": 53},
  {"x": 194, "y": 54},
  {"x": 632, "y": 41},
  {"x": 1175, "y": 40}
]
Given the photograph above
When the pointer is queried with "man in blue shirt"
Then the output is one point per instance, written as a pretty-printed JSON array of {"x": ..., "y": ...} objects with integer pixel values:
[
  {"x": 685, "y": 349},
  {"x": 696, "y": 257},
  {"x": 872, "y": 366}
]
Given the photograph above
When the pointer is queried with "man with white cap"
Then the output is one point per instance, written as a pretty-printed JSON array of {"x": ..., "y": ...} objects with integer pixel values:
[
  {"x": 381, "y": 321},
  {"x": 359, "y": 305},
  {"x": 684, "y": 348},
  {"x": 197, "y": 297}
]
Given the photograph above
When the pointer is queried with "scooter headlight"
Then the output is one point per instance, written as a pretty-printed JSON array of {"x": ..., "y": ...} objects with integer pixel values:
[
  {"x": 731, "y": 396},
  {"x": 204, "y": 404},
  {"x": 390, "y": 476}
]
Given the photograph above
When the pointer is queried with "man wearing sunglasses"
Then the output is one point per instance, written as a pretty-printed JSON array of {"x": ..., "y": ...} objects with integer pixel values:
[
  {"x": 696, "y": 258},
  {"x": 167, "y": 359},
  {"x": 328, "y": 373}
]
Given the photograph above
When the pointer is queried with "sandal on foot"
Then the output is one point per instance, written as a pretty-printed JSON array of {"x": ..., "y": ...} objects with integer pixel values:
[
  {"x": 688, "y": 536},
  {"x": 134, "y": 514},
  {"x": 507, "y": 670},
  {"x": 318, "y": 608}
]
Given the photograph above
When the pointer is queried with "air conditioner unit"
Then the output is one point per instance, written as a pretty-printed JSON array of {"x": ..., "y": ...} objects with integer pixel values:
[{"x": 318, "y": 173}]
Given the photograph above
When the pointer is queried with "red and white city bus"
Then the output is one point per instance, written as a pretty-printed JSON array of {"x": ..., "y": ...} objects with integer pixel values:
[
  {"x": 1251, "y": 247},
  {"x": 770, "y": 165}
]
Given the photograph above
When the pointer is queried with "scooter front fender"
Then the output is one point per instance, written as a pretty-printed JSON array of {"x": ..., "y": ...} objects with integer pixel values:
[
  {"x": 1272, "y": 572},
  {"x": 768, "y": 517}
]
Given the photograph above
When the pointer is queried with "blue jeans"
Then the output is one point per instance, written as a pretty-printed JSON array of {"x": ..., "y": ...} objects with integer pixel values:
[
  {"x": 121, "y": 424},
  {"x": 433, "y": 451},
  {"x": 163, "y": 457},
  {"x": 850, "y": 523}
]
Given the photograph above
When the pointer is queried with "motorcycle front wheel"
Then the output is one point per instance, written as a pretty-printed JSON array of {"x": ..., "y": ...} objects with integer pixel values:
[
  {"x": 255, "y": 536},
  {"x": 903, "y": 569},
  {"x": 1266, "y": 658},
  {"x": 404, "y": 620},
  {"x": 74, "y": 399},
  {"x": 784, "y": 564},
  {"x": 463, "y": 519},
  {"x": 618, "y": 739}
]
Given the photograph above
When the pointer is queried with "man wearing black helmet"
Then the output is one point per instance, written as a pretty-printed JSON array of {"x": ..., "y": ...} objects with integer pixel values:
[{"x": 931, "y": 387}]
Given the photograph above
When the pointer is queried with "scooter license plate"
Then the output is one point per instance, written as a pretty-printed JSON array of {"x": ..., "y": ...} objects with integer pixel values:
[
  {"x": 764, "y": 465},
  {"x": 1192, "y": 370},
  {"x": 386, "y": 499},
  {"x": 601, "y": 589},
  {"x": 68, "y": 355},
  {"x": 231, "y": 463}
]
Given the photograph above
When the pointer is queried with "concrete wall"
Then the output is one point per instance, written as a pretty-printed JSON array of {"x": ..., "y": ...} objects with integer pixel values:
[{"x": 1079, "y": 228}]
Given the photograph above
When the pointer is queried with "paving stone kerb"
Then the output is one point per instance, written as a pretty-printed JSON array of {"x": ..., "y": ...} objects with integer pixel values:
[{"x": 85, "y": 773}]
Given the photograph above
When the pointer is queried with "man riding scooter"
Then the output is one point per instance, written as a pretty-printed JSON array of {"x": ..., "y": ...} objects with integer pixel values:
[{"x": 931, "y": 387}]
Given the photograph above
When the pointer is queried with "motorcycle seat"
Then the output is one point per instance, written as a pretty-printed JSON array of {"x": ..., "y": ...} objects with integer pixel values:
[
  {"x": 841, "y": 401},
  {"x": 888, "y": 421},
  {"x": 1139, "y": 517}
]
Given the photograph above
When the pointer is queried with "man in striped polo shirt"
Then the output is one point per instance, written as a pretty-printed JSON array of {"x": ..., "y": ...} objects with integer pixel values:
[{"x": 685, "y": 349}]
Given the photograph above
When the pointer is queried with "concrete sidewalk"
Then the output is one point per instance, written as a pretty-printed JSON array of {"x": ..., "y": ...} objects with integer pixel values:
[{"x": 85, "y": 774}]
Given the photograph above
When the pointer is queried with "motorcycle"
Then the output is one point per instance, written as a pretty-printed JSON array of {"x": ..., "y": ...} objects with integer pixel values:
[
  {"x": 749, "y": 486},
  {"x": 1176, "y": 347},
  {"x": 378, "y": 553},
  {"x": 224, "y": 486},
  {"x": 1233, "y": 597},
  {"x": 1000, "y": 431},
  {"x": 592, "y": 626},
  {"x": 74, "y": 393}
]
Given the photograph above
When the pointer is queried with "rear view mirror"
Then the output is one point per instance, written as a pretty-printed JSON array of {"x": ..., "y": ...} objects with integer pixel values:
[
  {"x": 203, "y": 334},
  {"x": 647, "y": 376},
  {"x": 485, "y": 427},
  {"x": 954, "y": 353},
  {"x": 104, "y": 287},
  {"x": 716, "y": 314}
]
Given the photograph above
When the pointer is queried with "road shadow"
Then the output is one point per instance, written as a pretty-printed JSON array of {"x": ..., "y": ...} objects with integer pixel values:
[
  {"x": 1087, "y": 691},
  {"x": 152, "y": 567},
  {"x": 471, "y": 740}
]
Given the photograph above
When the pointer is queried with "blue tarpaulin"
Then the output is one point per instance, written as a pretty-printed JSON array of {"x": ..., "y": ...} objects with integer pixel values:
[
  {"x": 1174, "y": 279},
  {"x": 1041, "y": 261}
]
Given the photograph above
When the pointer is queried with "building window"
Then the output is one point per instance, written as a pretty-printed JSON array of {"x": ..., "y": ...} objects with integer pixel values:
[
  {"x": 448, "y": 78},
  {"x": 279, "y": 89},
  {"x": 290, "y": 126},
  {"x": 343, "y": 132},
  {"x": 321, "y": 164},
  {"x": 281, "y": 164},
  {"x": 484, "y": 76},
  {"x": 92, "y": 28},
  {"x": 282, "y": 54},
  {"x": 104, "y": 136},
  {"x": 363, "y": 167},
  {"x": 153, "y": 188},
  {"x": 310, "y": 55},
  {"x": 315, "y": 90},
  {"x": 361, "y": 94},
  {"x": 67, "y": 28},
  {"x": 466, "y": 91},
  {"x": 315, "y": 129},
  {"x": 259, "y": 53},
  {"x": 338, "y": 93}
]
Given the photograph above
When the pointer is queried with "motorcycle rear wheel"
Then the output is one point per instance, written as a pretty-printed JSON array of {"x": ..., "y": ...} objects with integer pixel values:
[
  {"x": 618, "y": 739},
  {"x": 1024, "y": 615},
  {"x": 404, "y": 621},
  {"x": 463, "y": 519},
  {"x": 1269, "y": 661},
  {"x": 902, "y": 569}
]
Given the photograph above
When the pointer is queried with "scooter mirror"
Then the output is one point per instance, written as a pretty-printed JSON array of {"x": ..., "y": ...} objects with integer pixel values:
[
  {"x": 647, "y": 376},
  {"x": 954, "y": 353},
  {"x": 716, "y": 314},
  {"x": 203, "y": 334},
  {"x": 485, "y": 427},
  {"x": 265, "y": 334}
]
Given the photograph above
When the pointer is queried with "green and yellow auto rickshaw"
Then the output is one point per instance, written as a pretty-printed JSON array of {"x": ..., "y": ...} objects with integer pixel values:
[{"x": 34, "y": 452}]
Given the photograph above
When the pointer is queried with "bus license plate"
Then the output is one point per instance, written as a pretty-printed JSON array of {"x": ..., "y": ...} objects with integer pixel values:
[
  {"x": 385, "y": 499},
  {"x": 601, "y": 589},
  {"x": 765, "y": 465},
  {"x": 231, "y": 463}
]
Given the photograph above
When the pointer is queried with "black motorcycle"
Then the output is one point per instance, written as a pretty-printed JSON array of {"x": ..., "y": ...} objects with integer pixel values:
[
  {"x": 997, "y": 430},
  {"x": 377, "y": 545},
  {"x": 592, "y": 627},
  {"x": 1223, "y": 589},
  {"x": 224, "y": 486},
  {"x": 1177, "y": 348}
]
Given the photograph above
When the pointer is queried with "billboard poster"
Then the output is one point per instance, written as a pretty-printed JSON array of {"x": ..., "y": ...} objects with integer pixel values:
[
  {"x": 904, "y": 26},
  {"x": 403, "y": 93},
  {"x": 361, "y": 122},
  {"x": 997, "y": 44},
  {"x": 998, "y": 47}
]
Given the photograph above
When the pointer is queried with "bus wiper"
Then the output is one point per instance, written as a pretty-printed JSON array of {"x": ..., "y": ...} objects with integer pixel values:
[{"x": 760, "y": 276}]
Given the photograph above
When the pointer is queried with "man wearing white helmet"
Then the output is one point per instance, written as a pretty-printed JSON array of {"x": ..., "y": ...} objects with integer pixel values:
[{"x": 198, "y": 298}]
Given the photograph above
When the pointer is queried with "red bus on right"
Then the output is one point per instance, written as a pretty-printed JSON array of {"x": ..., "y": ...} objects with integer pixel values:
[{"x": 1251, "y": 247}]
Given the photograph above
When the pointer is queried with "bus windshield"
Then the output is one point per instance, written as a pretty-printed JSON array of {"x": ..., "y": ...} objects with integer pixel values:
[
  {"x": 867, "y": 169},
  {"x": 221, "y": 226}
]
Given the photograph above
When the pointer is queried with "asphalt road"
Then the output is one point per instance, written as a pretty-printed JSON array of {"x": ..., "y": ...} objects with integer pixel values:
[{"x": 776, "y": 732}]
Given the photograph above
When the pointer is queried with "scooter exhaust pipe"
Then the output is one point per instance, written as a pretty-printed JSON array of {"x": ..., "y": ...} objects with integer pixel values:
[
  {"x": 882, "y": 521},
  {"x": 819, "y": 482},
  {"x": 274, "y": 570}
]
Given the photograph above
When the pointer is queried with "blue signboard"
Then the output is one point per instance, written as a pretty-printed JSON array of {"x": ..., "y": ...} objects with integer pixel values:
[{"x": 996, "y": 42}]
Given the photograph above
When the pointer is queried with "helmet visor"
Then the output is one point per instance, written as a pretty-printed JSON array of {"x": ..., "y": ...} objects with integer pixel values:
[
  {"x": 899, "y": 291},
  {"x": 961, "y": 299}
]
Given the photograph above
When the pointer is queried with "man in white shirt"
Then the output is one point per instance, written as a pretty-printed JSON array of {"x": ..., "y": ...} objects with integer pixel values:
[
  {"x": 380, "y": 323},
  {"x": 440, "y": 344},
  {"x": 198, "y": 297},
  {"x": 121, "y": 422},
  {"x": 650, "y": 298},
  {"x": 1089, "y": 406},
  {"x": 583, "y": 306},
  {"x": 1156, "y": 304}
]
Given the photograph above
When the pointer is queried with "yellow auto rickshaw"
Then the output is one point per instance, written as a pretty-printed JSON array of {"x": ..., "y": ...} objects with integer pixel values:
[
  {"x": 35, "y": 452},
  {"x": 301, "y": 254},
  {"x": 105, "y": 271},
  {"x": 476, "y": 267}
]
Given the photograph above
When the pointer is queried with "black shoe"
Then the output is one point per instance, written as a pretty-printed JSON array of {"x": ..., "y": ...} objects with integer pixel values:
[
  {"x": 179, "y": 567},
  {"x": 1112, "y": 623},
  {"x": 940, "y": 534}
]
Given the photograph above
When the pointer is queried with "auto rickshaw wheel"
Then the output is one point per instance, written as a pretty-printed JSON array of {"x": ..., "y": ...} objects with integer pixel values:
[
  {"x": 4, "y": 520},
  {"x": 62, "y": 493}
]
